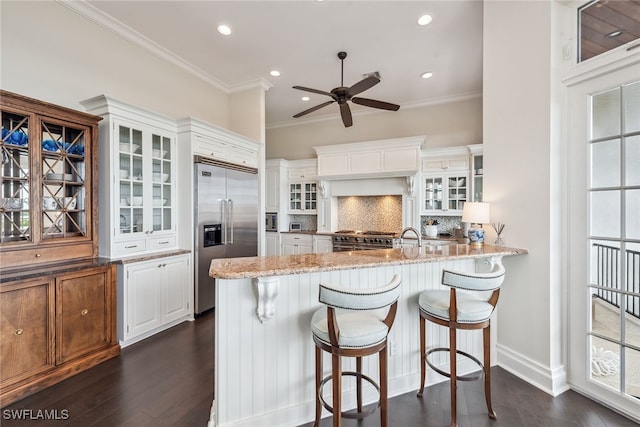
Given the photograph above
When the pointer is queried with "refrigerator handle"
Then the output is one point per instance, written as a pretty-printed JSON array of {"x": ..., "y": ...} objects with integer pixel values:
[
  {"x": 230, "y": 219},
  {"x": 223, "y": 210}
]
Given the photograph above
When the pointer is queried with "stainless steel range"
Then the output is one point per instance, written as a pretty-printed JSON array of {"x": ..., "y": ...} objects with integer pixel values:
[{"x": 351, "y": 240}]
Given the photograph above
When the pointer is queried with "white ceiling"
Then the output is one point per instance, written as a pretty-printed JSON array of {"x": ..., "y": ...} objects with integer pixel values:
[{"x": 301, "y": 39}]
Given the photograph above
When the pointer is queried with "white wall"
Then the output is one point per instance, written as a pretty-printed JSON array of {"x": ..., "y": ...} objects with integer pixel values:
[
  {"x": 51, "y": 53},
  {"x": 522, "y": 140},
  {"x": 456, "y": 123}
]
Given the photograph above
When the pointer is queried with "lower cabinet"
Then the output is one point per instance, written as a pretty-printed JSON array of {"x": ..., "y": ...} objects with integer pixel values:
[
  {"x": 295, "y": 244},
  {"x": 55, "y": 326},
  {"x": 153, "y": 295},
  {"x": 322, "y": 244},
  {"x": 272, "y": 244}
]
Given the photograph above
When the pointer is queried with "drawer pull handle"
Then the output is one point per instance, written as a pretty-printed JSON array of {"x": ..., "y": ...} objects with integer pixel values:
[
  {"x": 131, "y": 246},
  {"x": 164, "y": 243},
  {"x": 84, "y": 312},
  {"x": 38, "y": 255},
  {"x": 18, "y": 332}
]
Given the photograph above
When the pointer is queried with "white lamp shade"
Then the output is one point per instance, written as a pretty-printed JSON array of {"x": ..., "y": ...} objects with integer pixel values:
[{"x": 476, "y": 213}]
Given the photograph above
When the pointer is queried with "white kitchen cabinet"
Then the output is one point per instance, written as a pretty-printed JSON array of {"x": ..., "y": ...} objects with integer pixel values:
[
  {"x": 302, "y": 186},
  {"x": 477, "y": 172},
  {"x": 153, "y": 295},
  {"x": 444, "y": 194},
  {"x": 137, "y": 176},
  {"x": 221, "y": 144},
  {"x": 303, "y": 197},
  {"x": 446, "y": 164},
  {"x": 295, "y": 244},
  {"x": 322, "y": 244},
  {"x": 272, "y": 188},
  {"x": 272, "y": 244},
  {"x": 391, "y": 157}
]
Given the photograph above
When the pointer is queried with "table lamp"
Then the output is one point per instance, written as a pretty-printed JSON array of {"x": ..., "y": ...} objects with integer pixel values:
[{"x": 476, "y": 213}]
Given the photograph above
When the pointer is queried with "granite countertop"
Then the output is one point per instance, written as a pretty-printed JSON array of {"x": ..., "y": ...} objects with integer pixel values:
[
  {"x": 252, "y": 267},
  {"x": 50, "y": 269},
  {"x": 150, "y": 256}
]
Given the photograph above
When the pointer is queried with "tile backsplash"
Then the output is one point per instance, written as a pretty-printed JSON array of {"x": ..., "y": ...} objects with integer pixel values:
[
  {"x": 446, "y": 224},
  {"x": 307, "y": 222},
  {"x": 379, "y": 213}
]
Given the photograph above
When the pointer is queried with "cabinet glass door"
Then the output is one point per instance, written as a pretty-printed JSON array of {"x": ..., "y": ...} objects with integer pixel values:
[
  {"x": 15, "y": 217},
  {"x": 131, "y": 189},
  {"x": 457, "y": 194},
  {"x": 295, "y": 196},
  {"x": 64, "y": 179},
  {"x": 310, "y": 193},
  {"x": 477, "y": 173},
  {"x": 433, "y": 193},
  {"x": 161, "y": 179}
]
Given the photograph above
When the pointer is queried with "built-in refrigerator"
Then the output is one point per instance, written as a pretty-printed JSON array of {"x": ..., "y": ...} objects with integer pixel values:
[{"x": 226, "y": 219}]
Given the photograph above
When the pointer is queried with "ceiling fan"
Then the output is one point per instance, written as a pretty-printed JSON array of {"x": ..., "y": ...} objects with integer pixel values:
[{"x": 343, "y": 94}]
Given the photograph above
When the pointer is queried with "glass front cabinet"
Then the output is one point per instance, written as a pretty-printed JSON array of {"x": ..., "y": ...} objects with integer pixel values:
[
  {"x": 138, "y": 175},
  {"x": 47, "y": 182}
]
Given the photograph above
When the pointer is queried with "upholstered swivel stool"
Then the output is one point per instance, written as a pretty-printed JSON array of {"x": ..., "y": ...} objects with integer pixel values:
[
  {"x": 352, "y": 326},
  {"x": 460, "y": 310}
]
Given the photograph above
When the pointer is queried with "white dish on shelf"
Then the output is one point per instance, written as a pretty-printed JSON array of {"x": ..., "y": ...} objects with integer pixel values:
[
  {"x": 128, "y": 148},
  {"x": 158, "y": 153},
  {"x": 157, "y": 176},
  {"x": 59, "y": 177},
  {"x": 135, "y": 200},
  {"x": 124, "y": 174}
]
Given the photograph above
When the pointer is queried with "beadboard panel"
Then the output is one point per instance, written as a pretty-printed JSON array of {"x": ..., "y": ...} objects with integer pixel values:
[{"x": 265, "y": 371}]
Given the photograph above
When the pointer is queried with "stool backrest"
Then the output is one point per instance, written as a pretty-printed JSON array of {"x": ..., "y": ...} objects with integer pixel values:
[
  {"x": 360, "y": 299},
  {"x": 474, "y": 281}
]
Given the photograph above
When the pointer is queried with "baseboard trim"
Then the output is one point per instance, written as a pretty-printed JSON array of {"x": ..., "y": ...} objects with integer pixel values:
[{"x": 551, "y": 381}]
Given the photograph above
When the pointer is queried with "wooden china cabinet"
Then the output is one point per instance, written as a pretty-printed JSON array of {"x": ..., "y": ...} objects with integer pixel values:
[{"x": 57, "y": 298}]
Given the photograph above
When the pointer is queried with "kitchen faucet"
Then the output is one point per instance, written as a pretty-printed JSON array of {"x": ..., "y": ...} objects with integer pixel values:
[{"x": 415, "y": 231}]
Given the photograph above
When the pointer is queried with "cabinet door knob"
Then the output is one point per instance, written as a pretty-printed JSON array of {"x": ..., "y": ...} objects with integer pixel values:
[
  {"x": 38, "y": 255},
  {"x": 84, "y": 312},
  {"x": 18, "y": 332}
]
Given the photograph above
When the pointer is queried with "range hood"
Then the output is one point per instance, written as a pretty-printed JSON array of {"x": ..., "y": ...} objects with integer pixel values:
[{"x": 388, "y": 158}]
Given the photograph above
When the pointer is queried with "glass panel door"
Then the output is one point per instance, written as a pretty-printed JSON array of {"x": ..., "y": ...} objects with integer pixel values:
[
  {"x": 614, "y": 204},
  {"x": 131, "y": 189},
  {"x": 15, "y": 217},
  {"x": 161, "y": 179},
  {"x": 64, "y": 179}
]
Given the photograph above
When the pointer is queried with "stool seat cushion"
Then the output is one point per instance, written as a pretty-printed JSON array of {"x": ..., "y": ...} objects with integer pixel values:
[
  {"x": 358, "y": 329},
  {"x": 471, "y": 309}
]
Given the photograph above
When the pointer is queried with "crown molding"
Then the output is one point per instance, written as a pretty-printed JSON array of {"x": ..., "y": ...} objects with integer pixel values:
[
  {"x": 86, "y": 10},
  {"x": 260, "y": 83}
]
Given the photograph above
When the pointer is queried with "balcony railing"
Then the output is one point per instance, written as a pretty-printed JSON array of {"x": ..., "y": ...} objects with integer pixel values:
[{"x": 607, "y": 277}]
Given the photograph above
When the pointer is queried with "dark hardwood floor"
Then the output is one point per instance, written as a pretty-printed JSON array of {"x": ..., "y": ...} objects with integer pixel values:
[{"x": 167, "y": 380}]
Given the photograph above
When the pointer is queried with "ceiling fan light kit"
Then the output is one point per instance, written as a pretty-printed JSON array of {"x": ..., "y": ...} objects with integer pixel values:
[{"x": 343, "y": 94}]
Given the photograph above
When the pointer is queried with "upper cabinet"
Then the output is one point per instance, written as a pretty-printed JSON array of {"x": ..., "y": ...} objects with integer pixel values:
[
  {"x": 216, "y": 143},
  {"x": 303, "y": 186},
  {"x": 391, "y": 157},
  {"x": 48, "y": 184},
  {"x": 477, "y": 172},
  {"x": 138, "y": 179},
  {"x": 446, "y": 184}
]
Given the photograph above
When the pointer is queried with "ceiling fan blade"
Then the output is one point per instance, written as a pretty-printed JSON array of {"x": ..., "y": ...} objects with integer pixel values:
[
  {"x": 363, "y": 85},
  {"x": 308, "y": 89},
  {"x": 312, "y": 109},
  {"x": 345, "y": 112},
  {"x": 375, "y": 104}
]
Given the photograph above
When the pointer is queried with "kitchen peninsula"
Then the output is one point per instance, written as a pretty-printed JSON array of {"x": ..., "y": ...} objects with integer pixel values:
[{"x": 264, "y": 353}]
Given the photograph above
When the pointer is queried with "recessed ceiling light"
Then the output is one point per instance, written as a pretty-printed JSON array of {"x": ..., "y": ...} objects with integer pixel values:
[
  {"x": 426, "y": 75},
  {"x": 425, "y": 20},
  {"x": 305, "y": 98},
  {"x": 613, "y": 34},
  {"x": 274, "y": 73},
  {"x": 224, "y": 30}
]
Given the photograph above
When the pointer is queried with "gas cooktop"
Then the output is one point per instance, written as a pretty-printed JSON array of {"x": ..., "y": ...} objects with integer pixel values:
[{"x": 367, "y": 232}]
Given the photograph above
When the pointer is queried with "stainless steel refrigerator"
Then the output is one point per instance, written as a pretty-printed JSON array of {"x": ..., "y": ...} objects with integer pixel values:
[{"x": 226, "y": 219}]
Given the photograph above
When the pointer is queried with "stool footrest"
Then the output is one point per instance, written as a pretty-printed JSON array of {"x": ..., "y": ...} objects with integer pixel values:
[
  {"x": 468, "y": 377},
  {"x": 356, "y": 415}
]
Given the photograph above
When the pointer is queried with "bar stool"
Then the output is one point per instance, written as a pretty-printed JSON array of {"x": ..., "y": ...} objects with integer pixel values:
[
  {"x": 351, "y": 326},
  {"x": 460, "y": 310}
]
